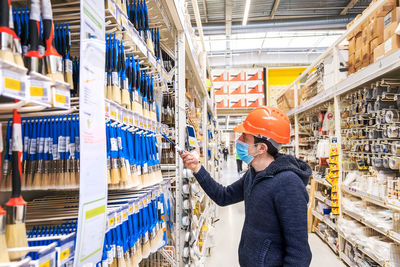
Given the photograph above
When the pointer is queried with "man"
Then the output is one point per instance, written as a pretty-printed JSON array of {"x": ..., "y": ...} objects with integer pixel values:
[
  {"x": 226, "y": 152},
  {"x": 273, "y": 190},
  {"x": 238, "y": 163}
]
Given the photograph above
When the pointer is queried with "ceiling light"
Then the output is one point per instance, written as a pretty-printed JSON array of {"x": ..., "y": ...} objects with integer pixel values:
[{"x": 246, "y": 12}]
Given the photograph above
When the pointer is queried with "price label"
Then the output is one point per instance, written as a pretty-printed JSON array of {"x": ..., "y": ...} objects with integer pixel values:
[
  {"x": 13, "y": 84},
  {"x": 130, "y": 120},
  {"x": 39, "y": 91},
  {"x": 113, "y": 114},
  {"x": 65, "y": 254},
  {"x": 61, "y": 98},
  {"x": 111, "y": 221},
  {"x": 45, "y": 264},
  {"x": 118, "y": 219},
  {"x": 125, "y": 119}
]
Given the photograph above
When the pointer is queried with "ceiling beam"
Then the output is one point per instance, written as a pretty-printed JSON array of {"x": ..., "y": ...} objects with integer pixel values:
[
  {"x": 228, "y": 31},
  {"x": 274, "y": 9},
  {"x": 198, "y": 23},
  {"x": 349, "y": 6},
  {"x": 205, "y": 10}
]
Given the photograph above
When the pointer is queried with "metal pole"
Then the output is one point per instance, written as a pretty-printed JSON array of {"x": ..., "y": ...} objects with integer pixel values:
[
  {"x": 180, "y": 125},
  {"x": 296, "y": 122}
]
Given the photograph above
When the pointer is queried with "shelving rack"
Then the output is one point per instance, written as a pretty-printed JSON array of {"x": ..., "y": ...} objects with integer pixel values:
[
  {"x": 178, "y": 42},
  {"x": 385, "y": 67}
]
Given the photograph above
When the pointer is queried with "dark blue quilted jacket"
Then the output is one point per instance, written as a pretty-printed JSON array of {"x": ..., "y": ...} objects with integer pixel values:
[{"x": 275, "y": 226}]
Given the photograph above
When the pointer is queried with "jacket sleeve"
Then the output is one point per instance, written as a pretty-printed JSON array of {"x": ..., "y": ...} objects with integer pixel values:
[
  {"x": 291, "y": 205},
  {"x": 222, "y": 195}
]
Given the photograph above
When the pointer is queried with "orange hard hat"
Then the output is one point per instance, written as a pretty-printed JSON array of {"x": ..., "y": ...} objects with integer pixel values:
[{"x": 266, "y": 122}]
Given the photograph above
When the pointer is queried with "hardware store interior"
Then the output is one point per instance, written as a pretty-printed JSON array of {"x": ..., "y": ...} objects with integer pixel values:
[{"x": 108, "y": 108}]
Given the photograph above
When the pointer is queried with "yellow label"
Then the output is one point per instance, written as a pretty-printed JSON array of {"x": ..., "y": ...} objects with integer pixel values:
[
  {"x": 106, "y": 108},
  {"x": 95, "y": 212},
  {"x": 12, "y": 84},
  {"x": 118, "y": 219},
  {"x": 136, "y": 122},
  {"x": 130, "y": 120},
  {"x": 130, "y": 209},
  {"x": 111, "y": 221},
  {"x": 124, "y": 215},
  {"x": 45, "y": 264},
  {"x": 65, "y": 254},
  {"x": 36, "y": 91},
  {"x": 136, "y": 208},
  {"x": 112, "y": 113},
  {"x": 124, "y": 119},
  {"x": 191, "y": 142},
  {"x": 61, "y": 99}
]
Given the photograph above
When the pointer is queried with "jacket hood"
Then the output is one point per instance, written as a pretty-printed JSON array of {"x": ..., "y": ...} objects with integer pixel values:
[{"x": 289, "y": 163}]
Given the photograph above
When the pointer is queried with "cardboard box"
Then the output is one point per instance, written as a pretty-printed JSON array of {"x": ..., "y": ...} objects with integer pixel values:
[
  {"x": 377, "y": 28},
  {"x": 365, "y": 51},
  {"x": 379, "y": 52},
  {"x": 358, "y": 57},
  {"x": 352, "y": 59},
  {"x": 389, "y": 31},
  {"x": 352, "y": 45},
  {"x": 364, "y": 35},
  {"x": 374, "y": 44},
  {"x": 358, "y": 40},
  {"x": 392, "y": 44},
  {"x": 392, "y": 16},
  {"x": 387, "y": 7}
]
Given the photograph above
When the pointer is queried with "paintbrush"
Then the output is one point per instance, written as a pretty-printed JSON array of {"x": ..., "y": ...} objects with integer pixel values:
[
  {"x": 6, "y": 33},
  {"x": 151, "y": 161},
  {"x": 3, "y": 245},
  {"x": 31, "y": 167},
  {"x": 6, "y": 169},
  {"x": 67, "y": 61},
  {"x": 108, "y": 153},
  {"x": 53, "y": 60},
  {"x": 67, "y": 162},
  {"x": 16, "y": 206},
  {"x": 17, "y": 41},
  {"x": 121, "y": 158},
  {"x": 131, "y": 153},
  {"x": 143, "y": 159},
  {"x": 38, "y": 182},
  {"x": 130, "y": 182},
  {"x": 138, "y": 93},
  {"x": 137, "y": 155},
  {"x": 109, "y": 55},
  {"x": 115, "y": 168},
  {"x": 72, "y": 152},
  {"x": 48, "y": 142},
  {"x": 33, "y": 57},
  {"x": 116, "y": 91},
  {"x": 125, "y": 98}
]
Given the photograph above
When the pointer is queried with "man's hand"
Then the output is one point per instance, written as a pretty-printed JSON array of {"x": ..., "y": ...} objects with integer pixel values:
[{"x": 190, "y": 161}]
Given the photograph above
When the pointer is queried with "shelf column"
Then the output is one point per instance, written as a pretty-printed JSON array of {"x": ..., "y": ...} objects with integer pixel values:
[
  {"x": 180, "y": 124},
  {"x": 296, "y": 122}
]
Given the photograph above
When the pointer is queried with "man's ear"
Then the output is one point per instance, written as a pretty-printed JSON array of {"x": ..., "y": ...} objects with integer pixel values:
[{"x": 263, "y": 148}]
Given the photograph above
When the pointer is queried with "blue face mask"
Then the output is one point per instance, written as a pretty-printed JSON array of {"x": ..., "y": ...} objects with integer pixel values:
[{"x": 243, "y": 151}]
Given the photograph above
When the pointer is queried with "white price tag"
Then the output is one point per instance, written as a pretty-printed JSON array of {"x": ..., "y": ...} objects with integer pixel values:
[
  {"x": 61, "y": 98},
  {"x": 13, "y": 84}
]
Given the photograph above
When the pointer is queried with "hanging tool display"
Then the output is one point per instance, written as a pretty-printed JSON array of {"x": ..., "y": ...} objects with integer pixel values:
[
  {"x": 6, "y": 32},
  {"x": 50, "y": 158},
  {"x": 63, "y": 47},
  {"x": 16, "y": 206}
]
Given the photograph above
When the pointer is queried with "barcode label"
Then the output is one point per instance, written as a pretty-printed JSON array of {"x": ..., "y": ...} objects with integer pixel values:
[
  {"x": 56, "y": 155},
  {"x": 114, "y": 144},
  {"x": 77, "y": 144},
  {"x": 41, "y": 145},
  {"x": 47, "y": 145},
  {"x": 68, "y": 65},
  {"x": 128, "y": 169},
  {"x": 32, "y": 146},
  {"x": 26, "y": 143},
  {"x": 62, "y": 144},
  {"x": 71, "y": 149},
  {"x": 115, "y": 79},
  {"x": 119, "y": 143}
]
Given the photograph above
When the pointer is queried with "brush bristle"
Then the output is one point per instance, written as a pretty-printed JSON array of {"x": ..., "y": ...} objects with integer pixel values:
[
  {"x": 124, "y": 174},
  {"x": 45, "y": 181},
  {"x": 146, "y": 250},
  {"x": 15, "y": 238},
  {"x": 137, "y": 257},
  {"x": 3, "y": 249},
  {"x": 69, "y": 79},
  {"x": 37, "y": 180},
  {"x": 7, "y": 55},
  {"x": 159, "y": 176},
  {"x": 116, "y": 94},
  {"x": 135, "y": 179},
  {"x": 115, "y": 176},
  {"x": 108, "y": 176},
  {"x": 109, "y": 92},
  {"x": 121, "y": 262},
  {"x": 125, "y": 98},
  {"x": 18, "y": 60},
  {"x": 57, "y": 76},
  {"x": 145, "y": 179}
]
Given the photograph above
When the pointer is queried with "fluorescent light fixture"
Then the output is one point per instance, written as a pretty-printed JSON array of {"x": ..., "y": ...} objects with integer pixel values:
[{"x": 246, "y": 12}]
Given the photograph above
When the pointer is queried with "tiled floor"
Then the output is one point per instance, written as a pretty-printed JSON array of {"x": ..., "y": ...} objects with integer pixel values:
[{"x": 228, "y": 229}]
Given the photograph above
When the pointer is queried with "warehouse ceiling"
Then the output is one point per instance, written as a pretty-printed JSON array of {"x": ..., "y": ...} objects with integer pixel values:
[
  {"x": 278, "y": 32},
  {"x": 212, "y": 12}
]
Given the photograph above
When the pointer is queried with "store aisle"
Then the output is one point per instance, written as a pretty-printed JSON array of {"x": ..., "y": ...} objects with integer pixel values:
[{"x": 229, "y": 227}]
